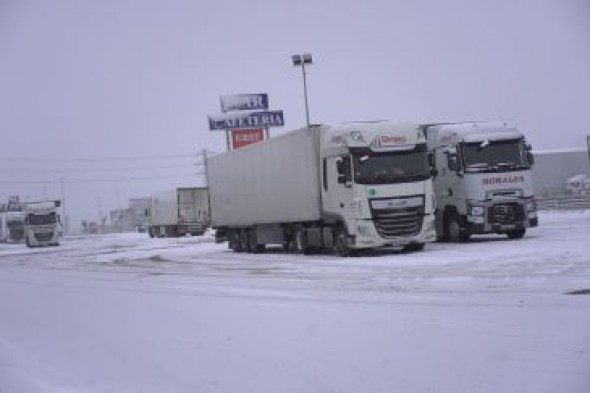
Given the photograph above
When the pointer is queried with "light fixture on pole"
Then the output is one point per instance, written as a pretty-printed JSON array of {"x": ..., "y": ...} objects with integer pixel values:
[{"x": 301, "y": 61}]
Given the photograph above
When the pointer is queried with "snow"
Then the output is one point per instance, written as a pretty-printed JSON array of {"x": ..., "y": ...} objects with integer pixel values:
[{"x": 126, "y": 313}]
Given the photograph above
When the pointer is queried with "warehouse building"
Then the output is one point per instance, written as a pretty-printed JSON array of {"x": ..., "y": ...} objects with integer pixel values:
[{"x": 553, "y": 168}]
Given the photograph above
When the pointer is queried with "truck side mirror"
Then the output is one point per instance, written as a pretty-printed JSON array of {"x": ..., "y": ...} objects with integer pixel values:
[
  {"x": 432, "y": 164},
  {"x": 530, "y": 157},
  {"x": 452, "y": 162},
  {"x": 340, "y": 168},
  {"x": 344, "y": 172}
]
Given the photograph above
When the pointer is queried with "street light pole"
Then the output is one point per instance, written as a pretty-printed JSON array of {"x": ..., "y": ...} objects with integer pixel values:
[
  {"x": 305, "y": 94},
  {"x": 302, "y": 60}
]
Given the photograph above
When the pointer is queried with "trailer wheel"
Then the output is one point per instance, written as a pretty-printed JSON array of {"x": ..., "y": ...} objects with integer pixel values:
[
  {"x": 231, "y": 242},
  {"x": 301, "y": 242},
  {"x": 516, "y": 234},
  {"x": 151, "y": 232},
  {"x": 28, "y": 242},
  {"x": 340, "y": 247},
  {"x": 244, "y": 241},
  {"x": 453, "y": 230},
  {"x": 237, "y": 244},
  {"x": 253, "y": 240}
]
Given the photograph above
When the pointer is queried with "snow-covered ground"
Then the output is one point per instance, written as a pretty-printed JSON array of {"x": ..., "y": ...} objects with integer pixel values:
[{"x": 125, "y": 313}]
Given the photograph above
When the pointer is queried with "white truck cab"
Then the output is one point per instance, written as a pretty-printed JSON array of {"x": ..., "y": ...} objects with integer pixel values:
[
  {"x": 382, "y": 192},
  {"x": 12, "y": 226},
  {"x": 41, "y": 224},
  {"x": 484, "y": 180}
]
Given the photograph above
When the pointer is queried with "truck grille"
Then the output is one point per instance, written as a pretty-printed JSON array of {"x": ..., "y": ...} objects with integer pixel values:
[
  {"x": 43, "y": 236},
  {"x": 398, "y": 222},
  {"x": 506, "y": 213},
  {"x": 17, "y": 234}
]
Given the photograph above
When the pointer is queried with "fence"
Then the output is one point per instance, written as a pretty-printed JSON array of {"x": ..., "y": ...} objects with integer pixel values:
[{"x": 563, "y": 202}]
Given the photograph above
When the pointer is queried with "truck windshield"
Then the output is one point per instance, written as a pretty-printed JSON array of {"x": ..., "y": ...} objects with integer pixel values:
[
  {"x": 15, "y": 224},
  {"x": 494, "y": 156},
  {"x": 42, "y": 219},
  {"x": 391, "y": 167}
]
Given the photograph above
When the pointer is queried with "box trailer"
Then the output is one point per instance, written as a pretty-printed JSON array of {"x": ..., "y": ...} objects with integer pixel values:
[
  {"x": 344, "y": 187},
  {"x": 178, "y": 212}
]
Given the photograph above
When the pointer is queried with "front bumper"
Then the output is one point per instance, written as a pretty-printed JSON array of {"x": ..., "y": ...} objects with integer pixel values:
[
  {"x": 515, "y": 217},
  {"x": 363, "y": 234}
]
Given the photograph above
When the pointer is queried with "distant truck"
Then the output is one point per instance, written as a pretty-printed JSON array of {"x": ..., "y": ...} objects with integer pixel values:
[
  {"x": 484, "y": 181},
  {"x": 178, "y": 212},
  {"x": 12, "y": 226},
  {"x": 340, "y": 187},
  {"x": 42, "y": 226}
]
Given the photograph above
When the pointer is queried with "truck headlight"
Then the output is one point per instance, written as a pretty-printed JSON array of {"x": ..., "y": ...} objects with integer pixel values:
[
  {"x": 363, "y": 230},
  {"x": 531, "y": 206},
  {"x": 477, "y": 211}
]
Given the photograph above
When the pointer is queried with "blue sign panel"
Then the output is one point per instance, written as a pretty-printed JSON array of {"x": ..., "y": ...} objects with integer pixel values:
[
  {"x": 244, "y": 102},
  {"x": 258, "y": 119}
]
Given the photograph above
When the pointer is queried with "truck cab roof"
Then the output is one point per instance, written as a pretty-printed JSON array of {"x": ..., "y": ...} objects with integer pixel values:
[{"x": 473, "y": 132}]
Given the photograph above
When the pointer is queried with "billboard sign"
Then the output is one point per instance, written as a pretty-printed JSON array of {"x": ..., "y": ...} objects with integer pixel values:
[
  {"x": 254, "y": 119},
  {"x": 244, "y": 102},
  {"x": 246, "y": 136}
]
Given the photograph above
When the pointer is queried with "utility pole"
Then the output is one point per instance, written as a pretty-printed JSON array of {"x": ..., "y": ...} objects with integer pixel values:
[
  {"x": 63, "y": 205},
  {"x": 205, "y": 166}
]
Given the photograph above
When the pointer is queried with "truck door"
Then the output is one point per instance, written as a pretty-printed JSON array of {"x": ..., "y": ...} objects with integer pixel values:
[{"x": 337, "y": 190}]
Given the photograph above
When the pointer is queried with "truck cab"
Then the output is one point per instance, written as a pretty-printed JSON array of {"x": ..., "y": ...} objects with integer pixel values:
[
  {"x": 41, "y": 224},
  {"x": 376, "y": 183},
  {"x": 484, "y": 180},
  {"x": 12, "y": 226}
]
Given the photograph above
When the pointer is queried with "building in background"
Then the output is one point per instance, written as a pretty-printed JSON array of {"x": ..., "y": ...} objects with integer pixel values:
[{"x": 553, "y": 169}]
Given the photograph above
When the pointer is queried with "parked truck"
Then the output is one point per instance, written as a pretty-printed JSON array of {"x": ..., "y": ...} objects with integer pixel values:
[
  {"x": 12, "y": 226},
  {"x": 42, "y": 226},
  {"x": 484, "y": 181},
  {"x": 178, "y": 212},
  {"x": 341, "y": 187}
]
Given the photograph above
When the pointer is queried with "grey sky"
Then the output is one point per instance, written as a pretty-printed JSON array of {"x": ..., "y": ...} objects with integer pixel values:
[{"x": 103, "y": 79}]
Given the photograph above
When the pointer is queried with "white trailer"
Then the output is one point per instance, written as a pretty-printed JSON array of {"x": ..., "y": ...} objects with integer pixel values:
[
  {"x": 344, "y": 187},
  {"x": 484, "y": 181},
  {"x": 12, "y": 226},
  {"x": 41, "y": 224},
  {"x": 178, "y": 212}
]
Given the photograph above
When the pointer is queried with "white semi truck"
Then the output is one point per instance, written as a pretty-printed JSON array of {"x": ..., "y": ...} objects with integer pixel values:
[
  {"x": 341, "y": 187},
  {"x": 484, "y": 181},
  {"x": 12, "y": 226},
  {"x": 178, "y": 212},
  {"x": 42, "y": 227}
]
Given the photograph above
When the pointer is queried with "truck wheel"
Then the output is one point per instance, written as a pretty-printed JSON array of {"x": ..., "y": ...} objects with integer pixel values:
[
  {"x": 301, "y": 241},
  {"x": 516, "y": 234},
  {"x": 244, "y": 241},
  {"x": 340, "y": 246},
  {"x": 237, "y": 244},
  {"x": 28, "y": 242},
  {"x": 453, "y": 230},
  {"x": 151, "y": 232}
]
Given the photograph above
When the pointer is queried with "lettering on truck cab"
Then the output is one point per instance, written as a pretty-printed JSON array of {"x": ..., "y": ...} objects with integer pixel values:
[{"x": 490, "y": 181}]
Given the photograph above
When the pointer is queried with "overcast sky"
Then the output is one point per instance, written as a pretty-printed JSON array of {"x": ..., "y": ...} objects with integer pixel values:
[{"x": 87, "y": 88}]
